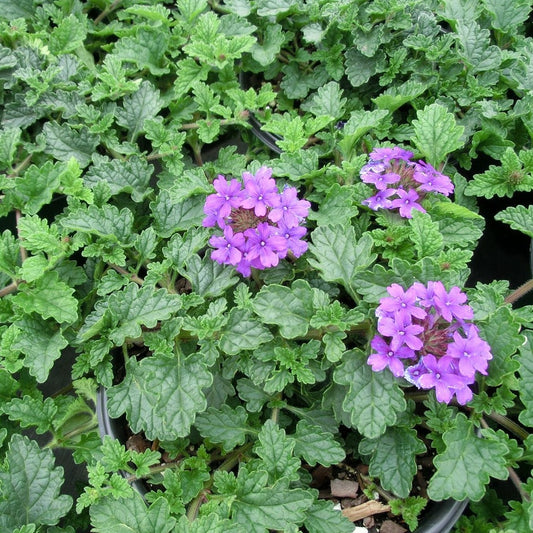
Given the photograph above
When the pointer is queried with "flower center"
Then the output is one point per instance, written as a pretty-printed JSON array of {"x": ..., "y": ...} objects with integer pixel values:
[{"x": 241, "y": 219}]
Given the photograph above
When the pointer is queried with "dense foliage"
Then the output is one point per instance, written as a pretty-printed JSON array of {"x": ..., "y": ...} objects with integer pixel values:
[{"x": 242, "y": 357}]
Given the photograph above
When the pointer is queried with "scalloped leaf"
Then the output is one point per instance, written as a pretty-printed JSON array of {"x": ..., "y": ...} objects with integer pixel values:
[
  {"x": 467, "y": 464},
  {"x": 160, "y": 396},
  {"x": 372, "y": 399},
  {"x": 30, "y": 488},
  {"x": 393, "y": 458}
]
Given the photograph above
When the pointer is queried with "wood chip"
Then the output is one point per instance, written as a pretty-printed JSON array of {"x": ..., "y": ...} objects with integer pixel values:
[
  {"x": 365, "y": 509},
  {"x": 344, "y": 488},
  {"x": 389, "y": 526}
]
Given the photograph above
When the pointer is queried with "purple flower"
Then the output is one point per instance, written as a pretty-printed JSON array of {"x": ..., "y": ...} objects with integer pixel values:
[
  {"x": 472, "y": 353},
  {"x": 265, "y": 245},
  {"x": 432, "y": 180},
  {"x": 290, "y": 210},
  {"x": 412, "y": 373},
  {"x": 406, "y": 202},
  {"x": 441, "y": 377},
  {"x": 227, "y": 248},
  {"x": 293, "y": 239},
  {"x": 261, "y": 191},
  {"x": 450, "y": 304},
  {"x": 401, "y": 302},
  {"x": 385, "y": 357},
  {"x": 380, "y": 200},
  {"x": 387, "y": 154},
  {"x": 218, "y": 206},
  {"x": 402, "y": 332},
  {"x": 380, "y": 180}
]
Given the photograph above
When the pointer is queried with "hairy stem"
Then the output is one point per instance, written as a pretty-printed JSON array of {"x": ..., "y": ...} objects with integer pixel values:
[{"x": 521, "y": 291}]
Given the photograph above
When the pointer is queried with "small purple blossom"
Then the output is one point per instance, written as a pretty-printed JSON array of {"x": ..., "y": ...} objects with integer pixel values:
[
  {"x": 445, "y": 351},
  {"x": 406, "y": 202},
  {"x": 380, "y": 200},
  {"x": 385, "y": 357},
  {"x": 290, "y": 210},
  {"x": 260, "y": 225},
  {"x": 265, "y": 244},
  {"x": 388, "y": 154},
  {"x": 217, "y": 206},
  {"x": 262, "y": 193},
  {"x": 392, "y": 173},
  {"x": 227, "y": 247},
  {"x": 431, "y": 180}
]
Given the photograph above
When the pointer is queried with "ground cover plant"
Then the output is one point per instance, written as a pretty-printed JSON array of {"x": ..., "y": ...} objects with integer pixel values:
[{"x": 266, "y": 325}]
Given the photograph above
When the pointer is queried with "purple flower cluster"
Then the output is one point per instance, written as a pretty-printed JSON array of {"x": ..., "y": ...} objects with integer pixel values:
[
  {"x": 401, "y": 183},
  {"x": 260, "y": 225},
  {"x": 425, "y": 336}
]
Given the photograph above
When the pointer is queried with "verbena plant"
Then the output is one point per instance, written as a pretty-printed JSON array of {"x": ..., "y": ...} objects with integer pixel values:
[{"x": 254, "y": 315}]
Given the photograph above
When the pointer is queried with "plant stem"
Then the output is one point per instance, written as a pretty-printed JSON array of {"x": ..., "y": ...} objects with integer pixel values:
[
  {"x": 106, "y": 11},
  {"x": 132, "y": 277},
  {"x": 518, "y": 293},
  {"x": 23, "y": 252},
  {"x": 508, "y": 424},
  {"x": 22, "y": 165},
  {"x": 12, "y": 287}
]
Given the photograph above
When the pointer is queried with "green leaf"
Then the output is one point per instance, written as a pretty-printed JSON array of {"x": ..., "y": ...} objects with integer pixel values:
[
  {"x": 276, "y": 452},
  {"x": 507, "y": 18},
  {"x": 49, "y": 298},
  {"x": 211, "y": 523},
  {"x": 425, "y": 235},
  {"x": 502, "y": 332},
  {"x": 106, "y": 221},
  {"x": 265, "y": 53},
  {"x": 526, "y": 379},
  {"x": 224, "y": 426},
  {"x": 30, "y": 487},
  {"x": 467, "y": 463},
  {"x": 181, "y": 247},
  {"x": 243, "y": 332},
  {"x": 36, "y": 186},
  {"x": 208, "y": 278},
  {"x": 322, "y": 517},
  {"x": 170, "y": 216},
  {"x": 328, "y": 101},
  {"x": 64, "y": 142},
  {"x": 436, "y": 133},
  {"x": 160, "y": 396},
  {"x": 41, "y": 343},
  {"x": 39, "y": 236},
  {"x": 519, "y": 218},
  {"x": 9, "y": 140},
  {"x": 502, "y": 180},
  {"x": 393, "y": 458},
  {"x": 131, "y": 515},
  {"x": 339, "y": 255},
  {"x": 133, "y": 307},
  {"x": 261, "y": 508},
  {"x": 360, "y": 68},
  {"x": 30, "y": 412},
  {"x": 476, "y": 48},
  {"x": 14, "y": 9},
  {"x": 146, "y": 50},
  {"x": 9, "y": 254},
  {"x": 289, "y": 308},
  {"x": 372, "y": 399},
  {"x": 315, "y": 445},
  {"x": 143, "y": 104},
  {"x": 68, "y": 35},
  {"x": 131, "y": 176},
  {"x": 336, "y": 208}
]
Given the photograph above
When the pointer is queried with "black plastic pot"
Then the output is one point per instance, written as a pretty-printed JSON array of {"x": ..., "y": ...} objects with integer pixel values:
[
  {"x": 439, "y": 518},
  {"x": 267, "y": 138}
]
